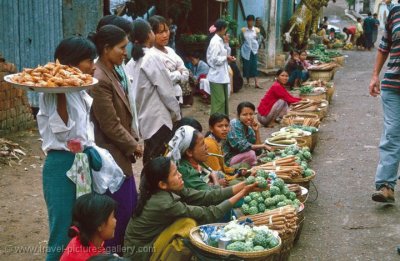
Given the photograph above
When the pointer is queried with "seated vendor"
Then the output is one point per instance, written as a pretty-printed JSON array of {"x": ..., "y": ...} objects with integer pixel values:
[
  {"x": 188, "y": 150},
  {"x": 244, "y": 137},
  {"x": 167, "y": 210},
  {"x": 274, "y": 105},
  {"x": 295, "y": 69},
  {"x": 219, "y": 128}
]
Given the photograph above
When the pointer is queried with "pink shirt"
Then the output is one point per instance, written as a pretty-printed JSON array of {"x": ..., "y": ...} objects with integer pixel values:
[
  {"x": 75, "y": 251},
  {"x": 275, "y": 93}
]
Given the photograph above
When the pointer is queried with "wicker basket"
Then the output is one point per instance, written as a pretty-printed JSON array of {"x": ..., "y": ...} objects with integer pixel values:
[
  {"x": 314, "y": 96},
  {"x": 300, "y": 224},
  {"x": 330, "y": 92},
  {"x": 325, "y": 75},
  {"x": 339, "y": 60},
  {"x": 266, "y": 255},
  {"x": 304, "y": 182},
  {"x": 301, "y": 142},
  {"x": 287, "y": 245},
  {"x": 314, "y": 141}
]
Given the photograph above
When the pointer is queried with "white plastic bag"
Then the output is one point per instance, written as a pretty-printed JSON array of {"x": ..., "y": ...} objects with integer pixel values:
[{"x": 110, "y": 176}]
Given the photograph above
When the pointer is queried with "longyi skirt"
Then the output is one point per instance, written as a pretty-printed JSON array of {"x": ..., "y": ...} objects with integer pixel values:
[{"x": 250, "y": 66}]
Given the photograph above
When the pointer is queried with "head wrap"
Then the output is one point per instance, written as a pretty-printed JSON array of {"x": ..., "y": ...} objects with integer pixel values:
[{"x": 180, "y": 142}]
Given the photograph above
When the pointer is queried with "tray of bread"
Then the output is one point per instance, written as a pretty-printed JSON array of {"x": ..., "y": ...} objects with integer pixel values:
[{"x": 52, "y": 78}]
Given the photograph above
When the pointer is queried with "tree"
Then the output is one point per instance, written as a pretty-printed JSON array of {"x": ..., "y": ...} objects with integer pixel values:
[{"x": 351, "y": 3}]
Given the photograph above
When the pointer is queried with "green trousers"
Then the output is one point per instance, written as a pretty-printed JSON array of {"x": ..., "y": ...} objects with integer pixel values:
[{"x": 219, "y": 98}]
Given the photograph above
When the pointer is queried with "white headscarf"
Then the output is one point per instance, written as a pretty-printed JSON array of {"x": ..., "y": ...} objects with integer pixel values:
[{"x": 180, "y": 142}]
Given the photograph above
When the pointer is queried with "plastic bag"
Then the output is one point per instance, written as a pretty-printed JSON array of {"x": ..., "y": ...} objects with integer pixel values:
[
  {"x": 110, "y": 176},
  {"x": 80, "y": 174}
]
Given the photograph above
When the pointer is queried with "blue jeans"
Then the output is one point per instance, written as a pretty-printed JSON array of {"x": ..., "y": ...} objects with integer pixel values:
[
  {"x": 389, "y": 147},
  {"x": 297, "y": 74}
]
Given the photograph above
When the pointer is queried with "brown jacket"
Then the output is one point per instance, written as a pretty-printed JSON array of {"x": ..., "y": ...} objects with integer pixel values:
[{"x": 112, "y": 118}]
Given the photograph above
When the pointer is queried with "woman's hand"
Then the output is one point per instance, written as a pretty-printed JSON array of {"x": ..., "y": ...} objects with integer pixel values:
[
  {"x": 138, "y": 153},
  {"x": 223, "y": 182},
  {"x": 255, "y": 125}
]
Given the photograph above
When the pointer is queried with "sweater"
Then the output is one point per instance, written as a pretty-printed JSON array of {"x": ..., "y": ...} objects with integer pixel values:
[{"x": 275, "y": 93}]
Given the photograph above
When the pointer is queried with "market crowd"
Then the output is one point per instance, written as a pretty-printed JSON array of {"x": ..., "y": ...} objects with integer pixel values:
[{"x": 191, "y": 175}]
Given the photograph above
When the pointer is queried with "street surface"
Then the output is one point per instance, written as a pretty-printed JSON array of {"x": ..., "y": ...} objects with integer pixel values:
[{"x": 342, "y": 222}]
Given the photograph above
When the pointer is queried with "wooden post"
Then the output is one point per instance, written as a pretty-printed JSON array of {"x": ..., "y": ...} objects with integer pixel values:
[{"x": 271, "y": 36}]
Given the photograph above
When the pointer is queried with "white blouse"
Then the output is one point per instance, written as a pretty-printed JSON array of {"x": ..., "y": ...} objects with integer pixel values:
[
  {"x": 178, "y": 73},
  {"x": 217, "y": 60},
  {"x": 55, "y": 133},
  {"x": 250, "y": 43}
]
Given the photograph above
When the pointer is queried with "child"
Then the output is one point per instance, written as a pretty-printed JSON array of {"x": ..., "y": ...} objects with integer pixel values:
[{"x": 93, "y": 222}]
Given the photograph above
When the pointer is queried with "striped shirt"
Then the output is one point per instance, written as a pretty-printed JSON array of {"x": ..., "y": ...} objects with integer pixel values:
[{"x": 390, "y": 43}]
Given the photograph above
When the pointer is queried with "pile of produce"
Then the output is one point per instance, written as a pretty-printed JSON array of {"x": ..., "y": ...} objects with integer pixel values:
[
  {"x": 348, "y": 46},
  {"x": 277, "y": 196},
  {"x": 321, "y": 54},
  {"x": 283, "y": 220},
  {"x": 193, "y": 38},
  {"x": 284, "y": 138},
  {"x": 304, "y": 128},
  {"x": 240, "y": 236},
  {"x": 318, "y": 83},
  {"x": 311, "y": 90},
  {"x": 309, "y": 106},
  {"x": 298, "y": 119},
  {"x": 323, "y": 67},
  {"x": 290, "y": 165}
]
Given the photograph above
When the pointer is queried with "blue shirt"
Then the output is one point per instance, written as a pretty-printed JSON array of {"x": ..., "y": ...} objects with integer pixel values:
[{"x": 240, "y": 139}]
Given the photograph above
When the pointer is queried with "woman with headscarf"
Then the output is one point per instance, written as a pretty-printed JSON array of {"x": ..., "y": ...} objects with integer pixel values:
[{"x": 188, "y": 150}]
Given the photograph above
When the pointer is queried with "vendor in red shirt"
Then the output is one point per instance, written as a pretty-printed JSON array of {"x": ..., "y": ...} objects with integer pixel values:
[
  {"x": 350, "y": 31},
  {"x": 275, "y": 103},
  {"x": 93, "y": 223}
]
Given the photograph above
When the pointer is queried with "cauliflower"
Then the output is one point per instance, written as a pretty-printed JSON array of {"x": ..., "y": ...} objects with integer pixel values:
[{"x": 236, "y": 246}]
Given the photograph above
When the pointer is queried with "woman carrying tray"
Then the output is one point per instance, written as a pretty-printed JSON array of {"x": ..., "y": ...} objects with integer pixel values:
[
  {"x": 244, "y": 137},
  {"x": 112, "y": 117},
  {"x": 63, "y": 117},
  {"x": 274, "y": 105},
  {"x": 167, "y": 211}
]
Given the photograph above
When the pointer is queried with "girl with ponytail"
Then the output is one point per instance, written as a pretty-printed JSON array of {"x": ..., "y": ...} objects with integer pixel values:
[
  {"x": 157, "y": 107},
  {"x": 93, "y": 222},
  {"x": 167, "y": 210}
]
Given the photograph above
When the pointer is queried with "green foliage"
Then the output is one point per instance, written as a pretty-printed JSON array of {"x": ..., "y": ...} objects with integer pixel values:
[{"x": 232, "y": 23}]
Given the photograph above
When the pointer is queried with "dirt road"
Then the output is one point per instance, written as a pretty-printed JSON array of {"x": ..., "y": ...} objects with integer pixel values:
[{"x": 341, "y": 224}]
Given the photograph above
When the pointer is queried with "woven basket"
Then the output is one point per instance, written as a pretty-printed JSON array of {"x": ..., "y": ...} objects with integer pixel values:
[
  {"x": 300, "y": 224},
  {"x": 285, "y": 119},
  {"x": 330, "y": 92},
  {"x": 287, "y": 245},
  {"x": 302, "y": 142},
  {"x": 314, "y": 141},
  {"x": 320, "y": 75},
  {"x": 304, "y": 182},
  {"x": 339, "y": 60},
  {"x": 314, "y": 96},
  {"x": 267, "y": 255}
]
